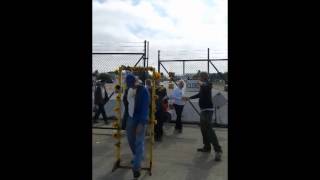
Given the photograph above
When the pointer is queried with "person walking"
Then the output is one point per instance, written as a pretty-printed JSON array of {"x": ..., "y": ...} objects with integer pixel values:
[
  {"x": 161, "y": 93},
  {"x": 138, "y": 110},
  {"x": 100, "y": 99},
  {"x": 178, "y": 103},
  {"x": 206, "y": 106}
]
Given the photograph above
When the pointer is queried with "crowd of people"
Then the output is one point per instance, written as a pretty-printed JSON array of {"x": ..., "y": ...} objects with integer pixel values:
[{"x": 137, "y": 112}]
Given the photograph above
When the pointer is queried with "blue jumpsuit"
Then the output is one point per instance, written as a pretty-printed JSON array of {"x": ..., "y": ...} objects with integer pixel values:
[{"x": 140, "y": 117}]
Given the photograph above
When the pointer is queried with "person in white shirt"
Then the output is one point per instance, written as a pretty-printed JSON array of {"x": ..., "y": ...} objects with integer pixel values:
[{"x": 178, "y": 103}]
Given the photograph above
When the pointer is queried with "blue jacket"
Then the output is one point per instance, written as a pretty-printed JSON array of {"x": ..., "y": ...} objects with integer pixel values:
[{"x": 141, "y": 106}]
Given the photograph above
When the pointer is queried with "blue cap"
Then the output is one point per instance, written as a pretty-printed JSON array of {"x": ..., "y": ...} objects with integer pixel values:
[{"x": 130, "y": 80}]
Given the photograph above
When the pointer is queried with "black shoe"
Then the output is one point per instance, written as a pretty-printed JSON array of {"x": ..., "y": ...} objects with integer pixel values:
[
  {"x": 106, "y": 122},
  {"x": 136, "y": 174},
  {"x": 218, "y": 156},
  {"x": 204, "y": 150},
  {"x": 95, "y": 121}
]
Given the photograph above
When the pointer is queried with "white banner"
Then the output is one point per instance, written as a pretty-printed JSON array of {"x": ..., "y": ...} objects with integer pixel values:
[{"x": 192, "y": 85}]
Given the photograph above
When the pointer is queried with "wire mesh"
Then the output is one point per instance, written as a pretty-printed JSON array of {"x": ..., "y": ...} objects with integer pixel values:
[{"x": 109, "y": 62}]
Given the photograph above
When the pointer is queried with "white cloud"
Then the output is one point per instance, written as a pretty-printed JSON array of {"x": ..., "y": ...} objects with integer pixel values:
[{"x": 169, "y": 25}]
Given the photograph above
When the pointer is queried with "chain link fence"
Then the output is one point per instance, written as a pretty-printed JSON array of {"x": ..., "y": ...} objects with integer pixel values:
[
  {"x": 106, "y": 62},
  {"x": 188, "y": 69}
]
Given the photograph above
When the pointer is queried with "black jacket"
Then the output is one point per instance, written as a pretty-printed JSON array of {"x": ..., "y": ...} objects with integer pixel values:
[
  {"x": 161, "y": 93},
  {"x": 205, "y": 96},
  {"x": 98, "y": 96}
]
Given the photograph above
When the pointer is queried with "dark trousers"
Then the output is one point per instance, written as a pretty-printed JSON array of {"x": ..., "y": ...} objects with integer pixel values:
[
  {"x": 158, "y": 128},
  {"x": 179, "y": 109},
  {"x": 208, "y": 134},
  {"x": 100, "y": 111}
]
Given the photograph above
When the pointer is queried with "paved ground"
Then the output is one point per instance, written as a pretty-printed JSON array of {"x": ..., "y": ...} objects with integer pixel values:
[{"x": 175, "y": 158}]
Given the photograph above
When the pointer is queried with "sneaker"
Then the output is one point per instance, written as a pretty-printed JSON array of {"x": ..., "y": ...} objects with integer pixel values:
[
  {"x": 218, "y": 156},
  {"x": 204, "y": 150}
]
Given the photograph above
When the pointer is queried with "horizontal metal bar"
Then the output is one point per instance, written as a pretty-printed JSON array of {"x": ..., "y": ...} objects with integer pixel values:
[
  {"x": 102, "y": 134},
  {"x": 117, "y": 53},
  {"x": 93, "y": 127},
  {"x": 177, "y": 60}
]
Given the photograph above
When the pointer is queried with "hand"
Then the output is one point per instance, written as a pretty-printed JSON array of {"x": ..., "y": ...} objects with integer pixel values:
[{"x": 185, "y": 98}]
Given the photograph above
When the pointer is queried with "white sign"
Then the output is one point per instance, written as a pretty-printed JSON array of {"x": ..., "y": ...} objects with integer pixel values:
[{"x": 192, "y": 85}]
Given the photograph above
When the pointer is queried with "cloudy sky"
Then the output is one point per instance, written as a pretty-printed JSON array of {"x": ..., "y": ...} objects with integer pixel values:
[{"x": 178, "y": 28}]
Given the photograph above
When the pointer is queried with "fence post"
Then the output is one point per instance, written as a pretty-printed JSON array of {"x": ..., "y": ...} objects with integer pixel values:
[
  {"x": 183, "y": 67},
  {"x": 158, "y": 61},
  {"x": 148, "y": 55},
  {"x": 144, "y": 60},
  {"x": 208, "y": 61}
]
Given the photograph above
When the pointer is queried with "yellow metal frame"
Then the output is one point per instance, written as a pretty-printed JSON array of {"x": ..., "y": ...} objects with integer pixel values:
[{"x": 152, "y": 121}]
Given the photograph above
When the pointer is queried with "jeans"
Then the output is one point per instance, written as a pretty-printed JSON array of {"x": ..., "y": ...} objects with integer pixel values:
[
  {"x": 208, "y": 134},
  {"x": 179, "y": 109},
  {"x": 136, "y": 142}
]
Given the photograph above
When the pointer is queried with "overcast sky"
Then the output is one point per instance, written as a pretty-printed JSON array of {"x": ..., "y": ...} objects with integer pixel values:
[{"x": 178, "y": 28}]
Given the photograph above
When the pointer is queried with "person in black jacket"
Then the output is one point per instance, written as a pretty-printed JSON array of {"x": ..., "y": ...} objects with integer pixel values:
[
  {"x": 100, "y": 99},
  {"x": 160, "y": 114},
  {"x": 205, "y": 102}
]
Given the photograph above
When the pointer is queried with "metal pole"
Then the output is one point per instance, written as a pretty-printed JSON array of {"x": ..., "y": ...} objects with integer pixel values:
[
  {"x": 138, "y": 61},
  {"x": 145, "y": 53},
  {"x": 144, "y": 60},
  {"x": 158, "y": 61},
  {"x": 148, "y": 55},
  {"x": 191, "y": 60},
  {"x": 219, "y": 73},
  {"x": 183, "y": 67},
  {"x": 208, "y": 61}
]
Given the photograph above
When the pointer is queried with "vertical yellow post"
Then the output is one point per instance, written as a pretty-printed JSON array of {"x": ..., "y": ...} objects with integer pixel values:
[
  {"x": 116, "y": 123},
  {"x": 152, "y": 120},
  {"x": 118, "y": 133}
]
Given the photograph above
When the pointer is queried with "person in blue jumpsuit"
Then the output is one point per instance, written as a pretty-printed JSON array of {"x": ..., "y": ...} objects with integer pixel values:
[{"x": 138, "y": 108}]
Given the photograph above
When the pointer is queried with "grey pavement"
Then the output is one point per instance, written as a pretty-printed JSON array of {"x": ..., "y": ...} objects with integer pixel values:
[{"x": 175, "y": 158}]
